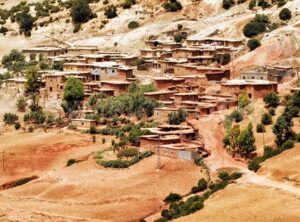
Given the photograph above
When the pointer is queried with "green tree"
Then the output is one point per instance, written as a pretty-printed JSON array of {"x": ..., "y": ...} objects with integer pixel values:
[
  {"x": 271, "y": 99},
  {"x": 111, "y": 12},
  {"x": 246, "y": 141},
  {"x": 266, "y": 119},
  {"x": 21, "y": 104},
  {"x": 253, "y": 44},
  {"x": 282, "y": 129},
  {"x": 177, "y": 117},
  {"x": 10, "y": 118},
  {"x": 243, "y": 100},
  {"x": 73, "y": 94},
  {"x": 285, "y": 14},
  {"x": 81, "y": 11},
  {"x": 252, "y": 4},
  {"x": 14, "y": 61},
  {"x": 25, "y": 22}
]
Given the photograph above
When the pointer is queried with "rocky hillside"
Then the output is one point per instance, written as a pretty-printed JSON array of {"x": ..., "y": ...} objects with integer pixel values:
[{"x": 197, "y": 18}]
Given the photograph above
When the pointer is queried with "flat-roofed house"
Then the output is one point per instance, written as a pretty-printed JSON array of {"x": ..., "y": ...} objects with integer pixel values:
[
  {"x": 233, "y": 43},
  {"x": 162, "y": 83},
  {"x": 254, "y": 88},
  {"x": 83, "y": 123},
  {"x": 82, "y": 50},
  {"x": 15, "y": 85},
  {"x": 42, "y": 52},
  {"x": 162, "y": 95},
  {"x": 117, "y": 85}
]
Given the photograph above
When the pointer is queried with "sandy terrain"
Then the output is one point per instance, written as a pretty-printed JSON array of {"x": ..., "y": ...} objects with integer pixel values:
[
  {"x": 83, "y": 192},
  {"x": 284, "y": 167},
  {"x": 248, "y": 203}
]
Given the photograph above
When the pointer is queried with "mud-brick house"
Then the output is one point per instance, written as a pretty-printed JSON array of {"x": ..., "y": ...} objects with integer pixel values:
[
  {"x": 15, "y": 85},
  {"x": 254, "y": 75},
  {"x": 166, "y": 45},
  {"x": 127, "y": 60},
  {"x": 162, "y": 83},
  {"x": 150, "y": 141},
  {"x": 54, "y": 84},
  {"x": 201, "y": 108},
  {"x": 92, "y": 58},
  {"x": 182, "y": 151},
  {"x": 161, "y": 114},
  {"x": 162, "y": 95},
  {"x": 42, "y": 52},
  {"x": 77, "y": 66},
  {"x": 124, "y": 73},
  {"x": 182, "y": 53},
  {"x": 84, "y": 123},
  {"x": 117, "y": 85},
  {"x": 167, "y": 65},
  {"x": 82, "y": 50},
  {"x": 185, "y": 96},
  {"x": 233, "y": 43},
  {"x": 254, "y": 88},
  {"x": 280, "y": 73},
  {"x": 185, "y": 132},
  {"x": 155, "y": 53},
  {"x": 223, "y": 102}
]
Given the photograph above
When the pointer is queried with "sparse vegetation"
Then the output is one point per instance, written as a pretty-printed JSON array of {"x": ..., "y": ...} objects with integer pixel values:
[
  {"x": 177, "y": 117},
  {"x": 285, "y": 14}
]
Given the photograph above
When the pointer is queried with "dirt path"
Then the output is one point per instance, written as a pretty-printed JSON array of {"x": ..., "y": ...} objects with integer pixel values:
[{"x": 212, "y": 130}]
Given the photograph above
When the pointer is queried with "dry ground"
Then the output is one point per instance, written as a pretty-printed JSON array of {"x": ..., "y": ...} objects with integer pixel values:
[
  {"x": 248, "y": 203},
  {"x": 83, "y": 192},
  {"x": 284, "y": 167}
]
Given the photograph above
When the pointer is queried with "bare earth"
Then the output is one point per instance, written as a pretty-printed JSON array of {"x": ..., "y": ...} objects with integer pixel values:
[
  {"x": 248, "y": 203},
  {"x": 83, "y": 192}
]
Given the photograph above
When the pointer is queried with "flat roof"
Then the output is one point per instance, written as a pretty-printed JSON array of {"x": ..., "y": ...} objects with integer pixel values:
[
  {"x": 116, "y": 82},
  {"x": 195, "y": 38},
  {"x": 160, "y": 92},
  {"x": 248, "y": 82},
  {"x": 43, "y": 48},
  {"x": 181, "y": 146}
]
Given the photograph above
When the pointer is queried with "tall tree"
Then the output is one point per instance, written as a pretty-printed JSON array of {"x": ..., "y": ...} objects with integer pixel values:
[{"x": 73, "y": 95}]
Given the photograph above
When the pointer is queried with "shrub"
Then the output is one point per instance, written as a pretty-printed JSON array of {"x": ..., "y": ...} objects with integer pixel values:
[
  {"x": 10, "y": 118},
  {"x": 81, "y": 12},
  {"x": 237, "y": 116},
  {"x": 25, "y": 22},
  {"x": 252, "y": 4},
  {"x": 177, "y": 117},
  {"x": 172, "y": 6},
  {"x": 30, "y": 129},
  {"x": 254, "y": 164},
  {"x": 254, "y": 28},
  {"x": 266, "y": 119},
  {"x": 103, "y": 140},
  {"x": 77, "y": 28},
  {"x": 172, "y": 197},
  {"x": 253, "y": 44},
  {"x": 285, "y": 14},
  {"x": 111, "y": 12},
  {"x": 17, "y": 125},
  {"x": 21, "y": 104},
  {"x": 271, "y": 100},
  {"x": 288, "y": 144},
  {"x": 71, "y": 162},
  {"x": 227, "y": 4},
  {"x": 260, "y": 128},
  {"x": 133, "y": 24},
  {"x": 272, "y": 111},
  {"x": 128, "y": 152},
  {"x": 281, "y": 3}
]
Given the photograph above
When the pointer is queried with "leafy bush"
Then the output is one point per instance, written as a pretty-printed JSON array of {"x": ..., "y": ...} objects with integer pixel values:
[
  {"x": 253, "y": 44},
  {"x": 237, "y": 116},
  {"x": 254, "y": 164},
  {"x": 177, "y": 117},
  {"x": 266, "y": 119},
  {"x": 288, "y": 144},
  {"x": 25, "y": 22},
  {"x": 202, "y": 185},
  {"x": 285, "y": 14},
  {"x": 252, "y": 4},
  {"x": 260, "y": 128},
  {"x": 111, "y": 12},
  {"x": 227, "y": 4},
  {"x": 71, "y": 162},
  {"x": 81, "y": 12},
  {"x": 10, "y": 118},
  {"x": 172, "y": 197},
  {"x": 21, "y": 104},
  {"x": 254, "y": 28},
  {"x": 133, "y": 24},
  {"x": 128, "y": 152},
  {"x": 271, "y": 99},
  {"x": 272, "y": 111},
  {"x": 17, "y": 125},
  {"x": 172, "y": 6}
]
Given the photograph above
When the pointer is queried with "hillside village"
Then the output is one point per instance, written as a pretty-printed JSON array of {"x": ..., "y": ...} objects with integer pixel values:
[{"x": 172, "y": 110}]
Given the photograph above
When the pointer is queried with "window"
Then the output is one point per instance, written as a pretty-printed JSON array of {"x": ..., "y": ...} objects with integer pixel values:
[{"x": 50, "y": 89}]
